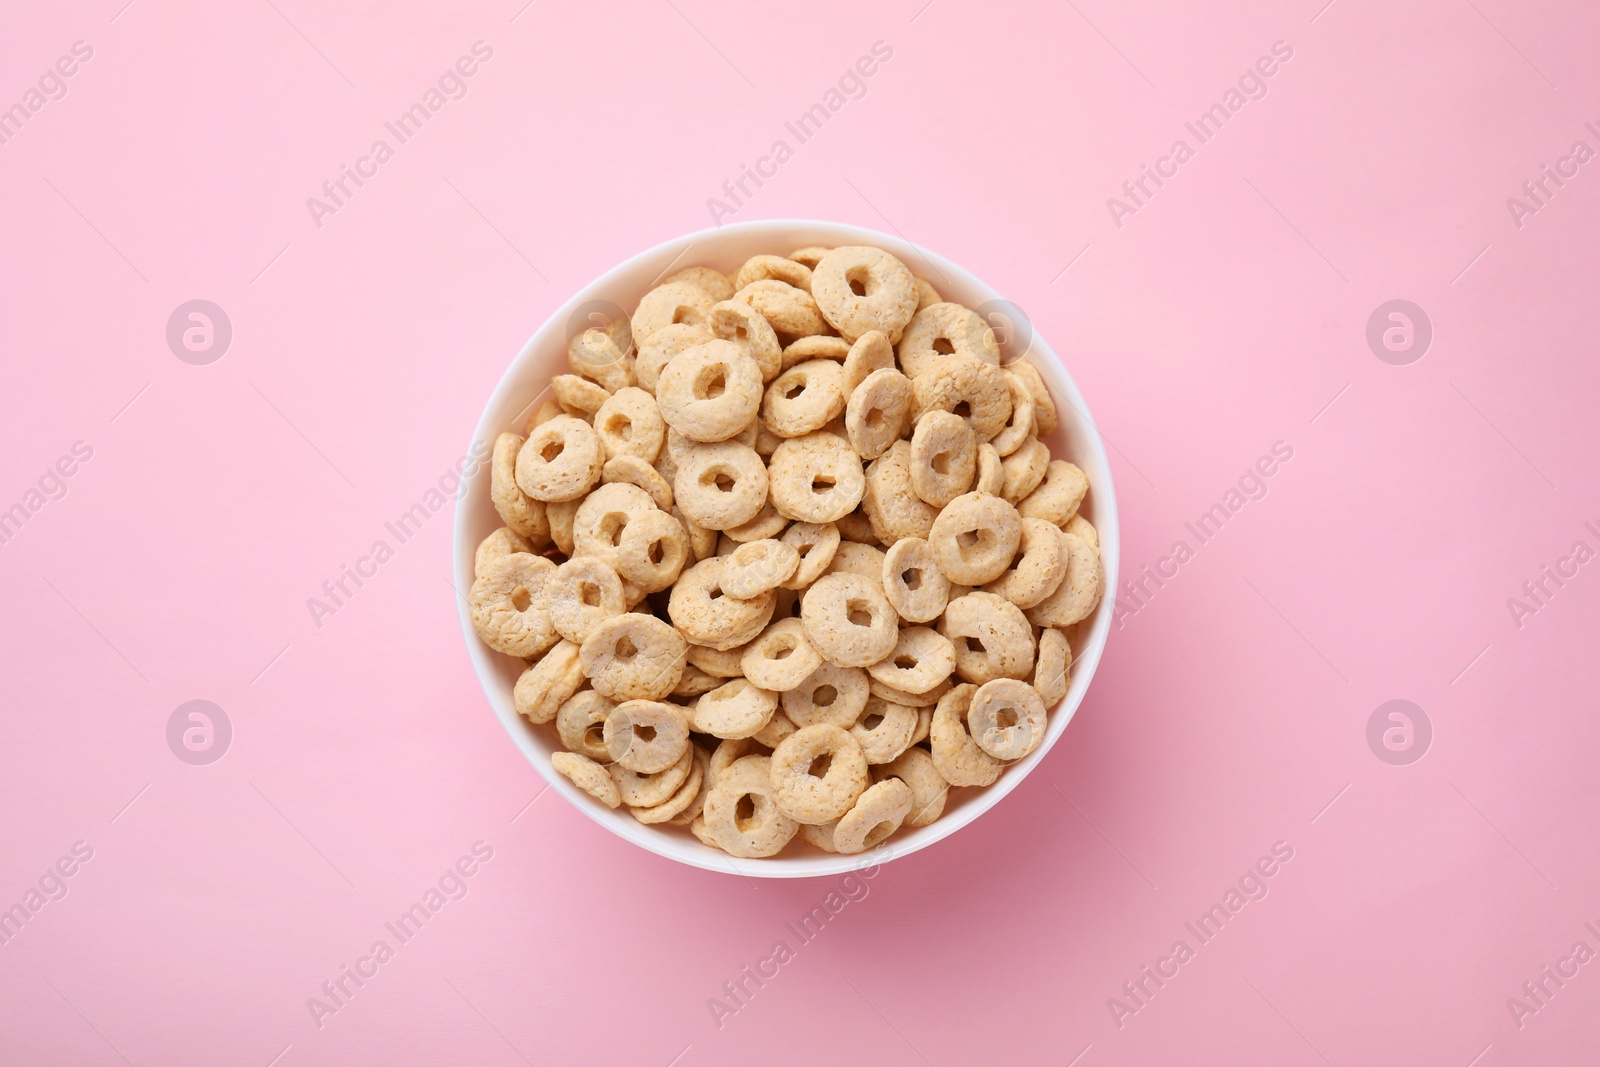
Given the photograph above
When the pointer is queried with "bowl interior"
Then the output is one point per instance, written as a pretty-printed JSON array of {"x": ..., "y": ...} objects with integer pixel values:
[{"x": 525, "y": 385}]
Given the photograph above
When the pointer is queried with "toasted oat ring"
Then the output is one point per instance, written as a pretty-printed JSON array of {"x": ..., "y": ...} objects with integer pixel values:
[
  {"x": 604, "y": 354},
  {"x": 830, "y": 694},
  {"x": 728, "y": 752},
  {"x": 560, "y": 460},
  {"x": 704, "y": 615},
  {"x": 721, "y": 485},
  {"x": 717, "y": 663},
  {"x": 887, "y": 296},
  {"x": 777, "y": 728},
  {"x": 702, "y": 542},
  {"x": 804, "y": 398},
  {"x": 956, "y": 757},
  {"x": 893, "y": 509},
  {"x": 991, "y": 637},
  {"x": 757, "y": 566},
  {"x": 760, "y": 268},
  {"x": 630, "y": 424},
  {"x": 1039, "y": 567},
  {"x": 695, "y": 682},
  {"x": 765, "y": 830},
  {"x": 815, "y": 346},
  {"x": 1051, "y": 671},
  {"x": 580, "y": 722},
  {"x": 1080, "y": 590},
  {"x": 1024, "y": 469},
  {"x": 766, "y": 525},
  {"x": 848, "y": 620},
  {"x": 1059, "y": 498},
  {"x": 791, "y": 311},
  {"x": 975, "y": 538},
  {"x": 709, "y": 392},
  {"x": 962, "y": 332},
  {"x": 738, "y": 323},
  {"x": 544, "y": 687},
  {"x": 809, "y": 797},
  {"x": 876, "y": 814},
  {"x": 547, "y": 410},
  {"x": 736, "y": 708},
  {"x": 991, "y": 477},
  {"x": 508, "y": 607},
  {"x": 662, "y": 347},
  {"x": 965, "y": 386},
  {"x": 640, "y": 789},
  {"x": 578, "y": 397},
  {"x": 502, "y": 542},
  {"x": 518, "y": 511},
  {"x": 913, "y": 581},
  {"x": 588, "y": 776},
  {"x": 697, "y": 804},
  {"x": 910, "y": 700},
  {"x": 927, "y": 295},
  {"x": 634, "y": 471},
  {"x": 922, "y": 658},
  {"x": 924, "y": 721},
  {"x": 634, "y": 657},
  {"x": 856, "y": 557},
  {"x": 562, "y": 515},
  {"x": 668, "y": 304},
  {"x": 856, "y": 527},
  {"x": 884, "y": 729},
  {"x": 781, "y": 658},
  {"x": 915, "y": 768},
  {"x": 652, "y": 551},
  {"x": 682, "y": 797},
  {"x": 878, "y": 412},
  {"x": 816, "y": 478},
  {"x": 582, "y": 593},
  {"x": 810, "y": 255},
  {"x": 603, "y": 517},
  {"x": 714, "y": 282},
  {"x": 1006, "y": 718},
  {"x": 1019, "y": 427},
  {"x": 944, "y": 456},
  {"x": 646, "y": 736},
  {"x": 870, "y": 353},
  {"x": 1044, "y": 408},
  {"x": 816, "y": 543},
  {"x": 1081, "y": 527}
]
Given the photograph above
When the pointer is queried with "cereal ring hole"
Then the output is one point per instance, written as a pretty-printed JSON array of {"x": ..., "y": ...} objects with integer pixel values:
[
  {"x": 619, "y": 425},
  {"x": 941, "y": 463},
  {"x": 824, "y": 696},
  {"x": 744, "y": 812},
  {"x": 872, "y": 721},
  {"x": 911, "y": 578},
  {"x": 521, "y": 598},
  {"x": 657, "y": 551},
  {"x": 718, "y": 479},
  {"x": 551, "y": 450},
  {"x": 975, "y": 542},
  {"x": 859, "y": 612},
  {"x": 820, "y": 766},
  {"x": 963, "y": 409},
  {"x": 975, "y": 646},
  {"x": 625, "y": 650},
  {"x": 644, "y": 734},
  {"x": 879, "y": 832},
  {"x": 794, "y": 390},
  {"x": 858, "y": 277},
  {"x": 822, "y": 483},
  {"x": 1006, "y": 718},
  {"x": 711, "y": 383},
  {"x": 611, "y": 527},
  {"x": 943, "y": 346},
  {"x": 589, "y": 594},
  {"x": 905, "y": 662}
]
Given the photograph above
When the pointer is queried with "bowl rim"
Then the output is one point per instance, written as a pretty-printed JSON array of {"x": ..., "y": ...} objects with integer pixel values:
[{"x": 674, "y": 846}]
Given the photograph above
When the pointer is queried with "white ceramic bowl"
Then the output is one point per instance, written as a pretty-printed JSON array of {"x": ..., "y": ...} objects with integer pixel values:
[{"x": 544, "y": 356}]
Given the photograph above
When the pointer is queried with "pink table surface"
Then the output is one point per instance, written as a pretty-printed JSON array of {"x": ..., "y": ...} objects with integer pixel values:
[{"x": 1219, "y": 316}]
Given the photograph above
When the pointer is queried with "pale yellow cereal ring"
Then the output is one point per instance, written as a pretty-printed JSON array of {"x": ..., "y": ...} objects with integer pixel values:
[
  {"x": 632, "y": 470},
  {"x": 544, "y": 687},
  {"x": 878, "y": 412},
  {"x": 664, "y": 345},
  {"x": 816, "y": 543},
  {"x": 647, "y": 789},
  {"x": 1080, "y": 590},
  {"x": 721, "y": 485},
  {"x": 746, "y": 784},
  {"x": 524, "y": 515},
  {"x": 830, "y": 694},
  {"x": 695, "y": 682},
  {"x": 969, "y": 387},
  {"x": 921, "y": 659},
  {"x": 714, "y": 282},
  {"x": 915, "y": 768},
  {"x": 854, "y": 557},
  {"x": 820, "y": 834},
  {"x": 860, "y": 288},
  {"x": 870, "y": 354},
  {"x": 588, "y": 776},
  {"x": 580, "y": 721},
  {"x": 692, "y": 812},
  {"x": 944, "y": 457},
  {"x": 781, "y": 658},
  {"x": 546, "y": 411},
  {"x": 975, "y": 538},
  {"x": 667, "y": 304},
  {"x": 604, "y": 354},
  {"x": 734, "y": 709},
  {"x": 760, "y": 268},
  {"x": 893, "y": 508},
  {"x": 1006, "y": 718},
  {"x": 679, "y": 801},
  {"x": 940, "y": 331},
  {"x": 792, "y": 312},
  {"x": 910, "y": 700},
  {"x": 1019, "y": 428},
  {"x": 804, "y": 398},
  {"x": 718, "y": 663},
  {"x": 817, "y": 773},
  {"x": 740, "y": 324},
  {"x": 876, "y": 814},
  {"x": 884, "y": 730},
  {"x": 924, "y": 721},
  {"x": 578, "y": 397},
  {"x": 1044, "y": 408},
  {"x": 646, "y": 736},
  {"x": 508, "y": 606},
  {"x": 991, "y": 477},
  {"x": 1024, "y": 469},
  {"x": 652, "y": 552},
  {"x": 810, "y": 255},
  {"x": 561, "y": 460},
  {"x": 603, "y": 517},
  {"x": 816, "y": 346},
  {"x": 757, "y": 566},
  {"x": 848, "y": 620},
  {"x": 630, "y": 424},
  {"x": 562, "y": 514},
  {"x": 927, "y": 295},
  {"x": 1051, "y": 672},
  {"x": 816, "y": 478},
  {"x": 634, "y": 657},
  {"x": 726, "y": 754},
  {"x": 1039, "y": 567},
  {"x": 704, "y": 615},
  {"x": 767, "y": 524},
  {"x": 991, "y": 637},
  {"x": 956, "y": 757},
  {"x": 1084, "y": 529},
  {"x": 710, "y": 392},
  {"x": 503, "y": 542},
  {"x": 582, "y": 593},
  {"x": 913, "y": 581},
  {"x": 777, "y": 728},
  {"x": 1058, "y": 499}
]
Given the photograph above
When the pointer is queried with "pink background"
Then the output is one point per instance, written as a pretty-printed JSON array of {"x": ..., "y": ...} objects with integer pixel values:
[{"x": 1230, "y": 711}]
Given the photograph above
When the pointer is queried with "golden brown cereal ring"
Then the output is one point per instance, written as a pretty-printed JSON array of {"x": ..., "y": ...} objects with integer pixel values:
[
  {"x": 804, "y": 398},
  {"x": 689, "y": 814},
  {"x": 630, "y": 424},
  {"x": 859, "y": 288},
  {"x": 588, "y": 776},
  {"x": 562, "y": 514},
  {"x": 767, "y": 524},
  {"x": 781, "y": 658},
  {"x": 884, "y": 729},
  {"x": 662, "y": 347},
  {"x": 603, "y": 517},
  {"x": 922, "y": 658},
  {"x": 876, "y": 814},
  {"x": 632, "y": 470},
  {"x": 582, "y": 593},
  {"x": 508, "y": 607},
  {"x": 718, "y": 663},
  {"x": 757, "y": 566},
  {"x": 747, "y": 783},
  {"x": 854, "y": 557},
  {"x": 816, "y": 478},
  {"x": 652, "y": 551},
  {"x": 956, "y": 757},
  {"x": 944, "y": 457},
  {"x": 924, "y": 722},
  {"x": 940, "y": 331},
  {"x": 1044, "y": 408},
  {"x": 634, "y": 657},
  {"x": 695, "y": 682},
  {"x": 544, "y": 687},
  {"x": 991, "y": 476},
  {"x": 581, "y": 723},
  {"x": 910, "y": 700},
  {"x": 871, "y": 353},
  {"x": 894, "y": 510},
  {"x": 721, "y": 485},
  {"x": 810, "y": 255},
  {"x": 777, "y": 728},
  {"x": 975, "y": 538},
  {"x": 815, "y": 346},
  {"x": 857, "y": 527},
  {"x": 561, "y": 460},
  {"x": 848, "y": 620},
  {"x": 647, "y": 789},
  {"x": 820, "y": 834},
  {"x": 991, "y": 637},
  {"x": 816, "y": 543},
  {"x": 1058, "y": 499},
  {"x": 976, "y": 390},
  {"x": 1006, "y": 718},
  {"x": 913, "y": 581},
  {"x": 1080, "y": 590},
  {"x": 702, "y": 542},
  {"x": 578, "y": 397},
  {"x": 830, "y": 694},
  {"x": 927, "y": 295},
  {"x": 646, "y": 737},
  {"x": 878, "y": 412},
  {"x": 817, "y": 773},
  {"x": 1020, "y": 426},
  {"x": 704, "y": 615},
  {"x": 792, "y": 312},
  {"x": 604, "y": 353},
  {"x": 502, "y": 542},
  {"x": 1039, "y": 567},
  {"x": 1051, "y": 672},
  {"x": 522, "y": 514},
  {"x": 740, "y": 324},
  {"x": 1024, "y": 469},
  {"x": 714, "y": 282},
  {"x": 672, "y": 302},
  {"x": 710, "y": 392},
  {"x": 760, "y": 268},
  {"x": 680, "y": 800},
  {"x": 735, "y": 709},
  {"x": 915, "y": 768},
  {"x": 1083, "y": 528},
  {"x": 546, "y": 411}
]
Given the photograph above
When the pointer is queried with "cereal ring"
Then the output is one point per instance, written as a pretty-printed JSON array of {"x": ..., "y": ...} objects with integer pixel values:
[
  {"x": 1040, "y": 565},
  {"x": 884, "y": 730},
  {"x": 714, "y": 282},
  {"x": 781, "y": 658},
  {"x": 976, "y": 390},
  {"x": 726, "y": 754},
  {"x": 856, "y": 527},
  {"x": 710, "y": 392},
  {"x": 913, "y": 581},
  {"x": 667, "y": 304},
  {"x": 956, "y": 757},
  {"x": 721, "y": 485},
  {"x": 817, "y": 773},
  {"x": 604, "y": 354},
  {"x": 1044, "y": 408},
  {"x": 1024, "y": 469},
  {"x": 1019, "y": 427},
  {"x": 854, "y": 557},
  {"x": 562, "y": 514},
  {"x": 792, "y": 312},
  {"x": 696, "y": 805},
  {"x": 871, "y": 353},
  {"x": 680, "y": 800},
  {"x": 1079, "y": 593},
  {"x": 508, "y": 606},
  {"x": 544, "y": 687},
  {"x": 546, "y": 411},
  {"x": 876, "y": 814},
  {"x": 630, "y": 424},
  {"x": 603, "y": 517},
  {"x": 848, "y": 620},
  {"x": 766, "y": 525},
  {"x": 804, "y": 398},
  {"x": 924, "y": 721},
  {"x": 991, "y": 636},
  {"x": 580, "y": 722},
  {"x": 910, "y": 700},
  {"x": 927, "y": 295},
  {"x": 859, "y": 288},
  {"x": 646, "y": 737},
  {"x": 647, "y": 789},
  {"x": 975, "y": 537},
  {"x": 560, "y": 460},
  {"x": 652, "y": 551},
  {"x": 922, "y": 658},
  {"x": 1083, "y": 528},
  {"x": 1059, "y": 497},
  {"x": 632, "y": 470},
  {"x": 1051, "y": 672},
  {"x": 816, "y": 346},
  {"x": 894, "y": 510},
  {"x": 777, "y": 728},
  {"x": 816, "y": 543},
  {"x": 1006, "y": 718},
  {"x": 705, "y": 616},
  {"x": 944, "y": 456},
  {"x": 816, "y": 478},
  {"x": 634, "y": 657},
  {"x": 878, "y": 412},
  {"x": 702, "y": 542},
  {"x": 735, "y": 709},
  {"x": 738, "y": 323},
  {"x": 991, "y": 475},
  {"x": 747, "y": 784},
  {"x": 582, "y": 593},
  {"x": 810, "y": 255},
  {"x": 940, "y": 331},
  {"x": 524, "y": 515},
  {"x": 757, "y": 566},
  {"x": 915, "y": 768},
  {"x": 578, "y": 397},
  {"x": 503, "y": 542},
  {"x": 830, "y": 694},
  {"x": 760, "y": 268},
  {"x": 663, "y": 346},
  {"x": 716, "y": 662},
  {"x": 820, "y": 834},
  {"x": 695, "y": 682},
  {"x": 588, "y": 776}
]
